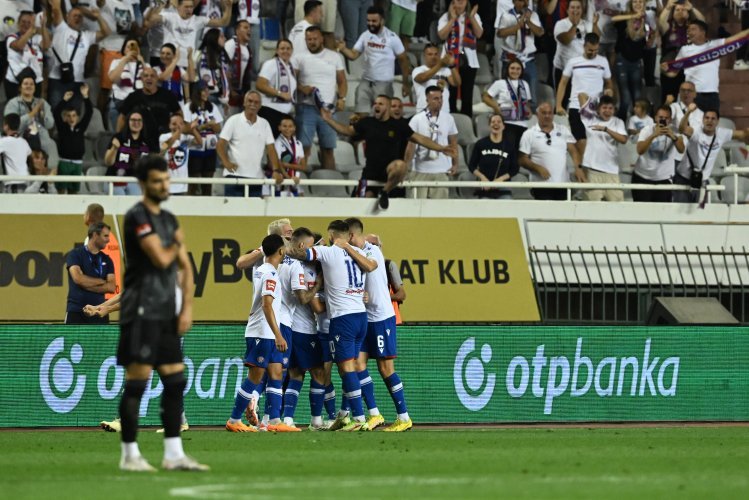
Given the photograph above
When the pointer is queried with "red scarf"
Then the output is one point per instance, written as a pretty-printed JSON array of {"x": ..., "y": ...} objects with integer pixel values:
[{"x": 453, "y": 40}]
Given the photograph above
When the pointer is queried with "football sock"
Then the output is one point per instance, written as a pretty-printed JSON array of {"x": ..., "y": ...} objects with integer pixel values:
[
  {"x": 330, "y": 401},
  {"x": 274, "y": 396},
  {"x": 291, "y": 397},
  {"x": 171, "y": 403},
  {"x": 173, "y": 448},
  {"x": 129, "y": 407},
  {"x": 352, "y": 391},
  {"x": 130, "y": 449},
  {"x": 316, "y": 397},
  {"x": 367, "y": 391},
  {"x": 395, "y": 386},
  {"x": 244, "y": 394}
]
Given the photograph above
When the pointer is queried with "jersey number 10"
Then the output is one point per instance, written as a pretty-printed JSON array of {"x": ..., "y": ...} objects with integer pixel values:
[{"x": 354, "y": 281}]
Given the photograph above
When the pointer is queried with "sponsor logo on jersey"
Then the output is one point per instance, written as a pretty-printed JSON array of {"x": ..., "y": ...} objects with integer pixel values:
[
  {"x": 143, "y": 230},
  {"x": 270, "y": 286}
]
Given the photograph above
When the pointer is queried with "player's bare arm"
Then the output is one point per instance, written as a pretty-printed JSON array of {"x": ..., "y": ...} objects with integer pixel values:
[
  {"x": 270, "y": 317},
  {"x": 249, "y": 259},
  {"x": 367, "y": 265}
]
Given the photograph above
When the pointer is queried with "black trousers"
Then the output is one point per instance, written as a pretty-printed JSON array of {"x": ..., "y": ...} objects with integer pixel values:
[
  {"x": 468, "y": 77},
  {"x": 650, "y": 196}
]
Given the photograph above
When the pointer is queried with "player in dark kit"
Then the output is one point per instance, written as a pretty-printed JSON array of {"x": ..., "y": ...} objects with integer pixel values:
[{"x": 150, "y": 326}]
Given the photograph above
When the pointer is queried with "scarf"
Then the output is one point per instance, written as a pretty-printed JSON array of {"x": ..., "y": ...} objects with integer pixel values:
[
  {"x": 520, "y": 109},
  {"x": 283, "y": 78},
  {"x": 707, "y": 56},
  {"x": 240, "y": 81},
  {"x": 454, "y": 41},
  {"x": 216, "y": 78}
]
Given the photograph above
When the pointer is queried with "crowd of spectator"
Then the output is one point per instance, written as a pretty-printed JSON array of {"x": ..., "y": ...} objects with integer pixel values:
[{"x": 549, "y": 90}]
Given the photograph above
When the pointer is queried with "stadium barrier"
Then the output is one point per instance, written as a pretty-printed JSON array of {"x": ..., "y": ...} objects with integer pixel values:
[{"x": 67, "y": 376}]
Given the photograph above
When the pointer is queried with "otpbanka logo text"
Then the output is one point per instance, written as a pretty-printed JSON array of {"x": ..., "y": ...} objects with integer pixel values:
[{"x": 549, "y": 377}]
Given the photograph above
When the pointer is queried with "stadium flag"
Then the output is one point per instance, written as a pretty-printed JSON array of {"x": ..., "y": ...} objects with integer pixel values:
[{"x": 707, "y": 56}]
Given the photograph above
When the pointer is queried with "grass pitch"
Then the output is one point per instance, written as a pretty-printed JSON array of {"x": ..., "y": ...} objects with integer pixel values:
[{"x": 669, "y": 462}]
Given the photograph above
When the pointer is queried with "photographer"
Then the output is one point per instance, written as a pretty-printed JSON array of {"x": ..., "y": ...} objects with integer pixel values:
[
  {"x": 701, "y": 152},
  {"x": 658, "y": 146}
]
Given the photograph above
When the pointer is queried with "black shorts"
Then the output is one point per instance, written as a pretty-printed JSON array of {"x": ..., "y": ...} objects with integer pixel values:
[
  {"x": 197, "y": 166},
  {"x": 576, "y": 125},
  {"x": 151, "y": 342}
]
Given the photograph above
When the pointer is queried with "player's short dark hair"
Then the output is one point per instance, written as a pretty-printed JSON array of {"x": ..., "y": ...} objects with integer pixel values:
[
  {"x": 701, "y": 24},
  {"x": 302, "y": 232},
  {"x": 95, "y": 212},
  {"x": 66, "y": 108},
  {"x": 97, "y": 228},
  {"x": 13, "y": 121},
  {"x": 147, "y": 163},
  {"x": 592, "y": 39},
  {"x": 338, "y": 226},
  {"x": 272, "y": 244},
  {"x": 313, "y": 28},
  {"x": 311, "y": 5},
  {"x": 354, "y": 224},
  {"x": 432, "y": 88},
  {"x": 606, "y": 99},
  {"x": 376, "y": 10}
]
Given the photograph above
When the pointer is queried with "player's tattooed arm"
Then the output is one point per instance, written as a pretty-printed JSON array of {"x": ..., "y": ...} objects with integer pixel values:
[
  {"x": 249, "y": 259},
  {"x": 306, "y": 296},
  {"x": 297, "y": 253},
  {"x": 367, "y": 265}
]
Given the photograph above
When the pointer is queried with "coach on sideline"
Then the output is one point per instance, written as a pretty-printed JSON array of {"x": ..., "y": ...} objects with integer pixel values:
[{"x": 90, "y": 276}]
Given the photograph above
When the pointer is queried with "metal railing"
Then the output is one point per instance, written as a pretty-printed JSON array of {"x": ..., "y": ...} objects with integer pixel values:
[{"x": 618, "y": 285}]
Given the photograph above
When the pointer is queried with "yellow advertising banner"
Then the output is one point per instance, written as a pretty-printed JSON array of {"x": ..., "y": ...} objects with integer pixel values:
[{"x": 460, "y": 270}]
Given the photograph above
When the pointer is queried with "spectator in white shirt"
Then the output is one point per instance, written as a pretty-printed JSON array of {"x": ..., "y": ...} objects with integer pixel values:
[
  {"x": 312, "y": 17},
  {"x": 175, "y": 147},
  {"x": 569, "y": 34},
  {"x": 441, "y": 72},
  {"x": 249, "y": 10},
  {"x": 640, "y": 118},
  {"x": 243, "y": 141},
  {"x": 511, "y": 98},
  {"x": 702, "y": 149},
  {"x": 380, "y": 47},
  {"x": 277, "y": 83},
  {"x": 461, "y": 29},
  {"x": 241, "y": 58},
  {"x": 328, "y": 21},
  {"x": 207, "y": 118},
  {"x": 658, "y": 146},
  {"x": 70, "y": 46},
  {"x": 15, "y": 152},
  {"x": 518, "y": 27},
  {"x": 543, "y": 151},
  {"x": 426, "y": 164},
  {"x": 26, "y": 52},
  {"x": 679, "y": 108},
  {"x": 36, "y": 114},
  {"x": 126, "y": 76},
  {"x": 600, "y": 163}
]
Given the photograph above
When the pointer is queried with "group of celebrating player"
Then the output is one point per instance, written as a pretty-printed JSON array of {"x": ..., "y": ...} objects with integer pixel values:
[{"x": 315, "y": 305}]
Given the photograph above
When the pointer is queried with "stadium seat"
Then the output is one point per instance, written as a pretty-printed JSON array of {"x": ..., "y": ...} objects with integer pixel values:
[
  {"x": 328, "y": 191},
  {"x": 97, "y": 187},
  {"x": 360, "y": 157},
  {"x": 719, "y": 169},
  {"x": 267, "y": 51},
  {"x": 345, "y": 158},
  {"x": 562, "y": 120},
  {"x": 94, "y": 130},
  {"x": 484, "y": 75},
  {"x": 466, "y": 134},
  {"x": 398, "y": 92},
  {"x": 478, "y": 92},
  {"x": 542, "y": 68},
  {"x": 653, "y": 95},
  {"x": 730, "y": 125},
  {"x": 466, "y": 192},
  {"x": 102, "y": 144},
  {"x": 469, "y": 152},
  {"x": 740, "y": 155},
  {"x": 94, "y": 89},
  {"x": 354, "y": 175},
  {"x": 351, "y": 94},
  {"x": 313, "y": 161},
  {"x": 54, "y": 157},
  {"x": 355, "y": 69},
  {"x": 521, "y": 194},
  {"x": 545, "y": 94},
  {"x": 218, "y": 189},
  {"x": 626, "y": 178},
  {"x": 627, "y": 156},
  {"x": 462, "y": 163},
  {"x": 482, "y": 125},
  {"x": 743, "y": 189}
]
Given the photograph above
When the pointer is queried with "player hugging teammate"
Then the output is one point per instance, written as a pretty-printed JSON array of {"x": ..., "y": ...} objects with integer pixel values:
[{"x": 308, "y": 310}]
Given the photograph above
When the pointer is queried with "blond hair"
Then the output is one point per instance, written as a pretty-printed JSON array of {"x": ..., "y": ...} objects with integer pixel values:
[{"x": 276, "y": 227}]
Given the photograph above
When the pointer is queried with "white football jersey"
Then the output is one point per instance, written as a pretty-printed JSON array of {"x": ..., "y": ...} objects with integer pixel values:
[
  {"x": 323, "y": 320},
  {"x": 265, "y": 281},
  {"x": 344, "y": 280},
  {"x": 291, "y": 274},
  {"x": 379, "y": 306},
  {"x": 304, "y": 319}
]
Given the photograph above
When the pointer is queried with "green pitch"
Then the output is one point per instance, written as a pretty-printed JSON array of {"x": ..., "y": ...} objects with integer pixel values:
[{"x": 671, "y": 462}]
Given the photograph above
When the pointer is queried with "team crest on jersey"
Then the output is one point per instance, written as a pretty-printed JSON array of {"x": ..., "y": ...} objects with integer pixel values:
[
  {"x": 260, "y": 359},
  {"x": 143, "y": 229},
  {"x": 270, "y": 286}
]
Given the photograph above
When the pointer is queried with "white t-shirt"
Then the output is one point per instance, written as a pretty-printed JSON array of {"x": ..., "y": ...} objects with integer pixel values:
[
  {"x": 320, "y": 71},
  {"x": 120, "y": 17},
  {"x": 506, "y": 6},
  {"x": 379, "y": 306},
  {"x": 637, "y": 123},
  {"x": 421, "y": 88},
  {"x": 706, "y": 77},
  {"x": 500, "y": 92},
  {"x": 130, "y": 79},
  {"x": 265, "y": 281},
  {"x": 63, "y": 41},
  {"x": 247, "y": 144},
  {"x": 575, "y": 48},
  {"x": 184, "y": 33},
  {"x": 297, "y": 37},
  {"x": 249, "y": 10},
  {"x": 16, "y": 151},
  {"x": 31, "y": 57},
  {"x": 210, "y": 139},
  {"x": 280, "y": 76},
  {"x": 524, "y": 47},
  {"x": 177, "y": 157},
  {"x": 304, "y": 319},
  {"x": 230, "y": 47},
  {"x": 471, "y": 57},
  {"x": 344, "y": 280},
  {"x": 678, "y": 110},
  {"x": 601, "y": 150},
  {"x": 586, "y": 76},
  {"x": 698, "y": 147},
  {"x": 323, "y": 320},
  {"x": 438, "y": 128},
  {"x": 659, "y": 161},
  {"x": 379, "y": 52},
  {"x": 291, "y": 274},
  {"x": 552, "y": 157}
]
